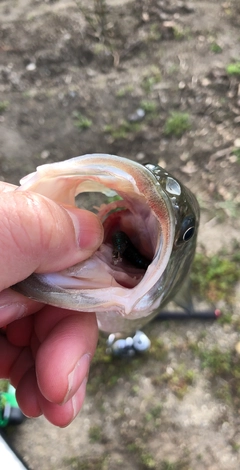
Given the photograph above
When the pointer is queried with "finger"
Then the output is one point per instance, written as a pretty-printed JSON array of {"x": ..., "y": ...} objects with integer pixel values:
[
  {"x": 63, "y": 415},
  {"x": 6, "y": 187},
  {"x": 39, "y": 235},
  {"x": 33, "y": 403},
  {"x": 14, "y": 306},
  {"x": 21, "y": 366},
  {"x": 63, "y": 359},
  {"x": 47, "y": 318},
  {"x": 27, "y": 394},
  {"x": 8, "y": 356},
  {"x": 20, "y": 332}
]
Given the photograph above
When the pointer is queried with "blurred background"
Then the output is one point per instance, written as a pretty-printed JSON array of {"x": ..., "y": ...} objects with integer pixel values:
[{"x": 154, "y": 81}]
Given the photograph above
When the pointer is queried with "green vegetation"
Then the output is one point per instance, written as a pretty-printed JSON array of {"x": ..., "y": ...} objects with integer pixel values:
[
  {"x": 215, "y": 276},
  {"x": 93, "y": 463},
  {"x": 234, "y": 69},
  {"x": 177, "y": 124},
  {"x": 180, "y": 465},
  {"x": 229, "y": 207},
  {"x": 236, "y": 152},
  {"x": 96, "y": 18},
  {"x": 106, "y": 370},
  {"x": 126, "y": 90},
  {"x": 215, "y": 48},
  {"x": 80, "y": 121},
  {"x": 218, "y": 362},
  {"x": 225, "y": 319},
  {"x": 180, "y": 33},
  {"x": 142, "y": 455},
  {"x": 147, "y": 460},
  {"x": 154, "y": 32},
  {"x": 158, "y": 350},
  {"x": 172, "y": 69},
  {"x": 95, "y": 433},
  {"x": 179, "y": 380},
  {"x": 150, "y": 79},
  {"x": 122, "y": 130},
  {"x": 154, "y": 413},
  {"x": 235, "y": 446},
  {"x": 148, "y": 106},
  {"x": 3, "y": 106},
  {"x": 224, "y": 372}
]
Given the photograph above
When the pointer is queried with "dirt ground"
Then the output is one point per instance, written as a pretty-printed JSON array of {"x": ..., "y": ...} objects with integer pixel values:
[{"x": 104, "y": 76}]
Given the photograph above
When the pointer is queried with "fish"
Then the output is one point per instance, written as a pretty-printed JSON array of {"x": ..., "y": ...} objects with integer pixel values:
[{"x": 150, "y": 223}]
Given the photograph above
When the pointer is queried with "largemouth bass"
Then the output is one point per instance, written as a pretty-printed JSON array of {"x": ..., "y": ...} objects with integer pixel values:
[{"x": 150, "y": 230}]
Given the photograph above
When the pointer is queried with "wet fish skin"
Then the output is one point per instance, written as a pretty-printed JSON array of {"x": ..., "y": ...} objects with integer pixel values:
[{"x": 158, "y": 214}]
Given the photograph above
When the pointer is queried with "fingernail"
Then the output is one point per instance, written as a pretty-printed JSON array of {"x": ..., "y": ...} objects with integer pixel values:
[
  {"x": 78, "y": 398},
  {"x": 11, "y": 312},
  {"x": 76, "y": 377},
  {"x": 88, "y": 228}
]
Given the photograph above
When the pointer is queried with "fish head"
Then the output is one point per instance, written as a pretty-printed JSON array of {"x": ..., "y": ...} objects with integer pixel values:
[{"x": 147, "y": 207}]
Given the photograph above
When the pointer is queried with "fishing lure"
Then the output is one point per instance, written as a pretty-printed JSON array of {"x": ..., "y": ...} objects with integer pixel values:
[{"x": 123, "y": 247}]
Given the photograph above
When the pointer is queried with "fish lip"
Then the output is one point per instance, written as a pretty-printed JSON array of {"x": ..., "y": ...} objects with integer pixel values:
[{"x": 144, "y": 183}]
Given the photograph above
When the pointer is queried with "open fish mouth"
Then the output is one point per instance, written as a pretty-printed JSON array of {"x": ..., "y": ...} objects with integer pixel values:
[{"x": 139, "y": 227}]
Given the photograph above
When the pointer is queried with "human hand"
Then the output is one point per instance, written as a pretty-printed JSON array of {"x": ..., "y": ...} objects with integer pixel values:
[{"x": 44, "y": 351}]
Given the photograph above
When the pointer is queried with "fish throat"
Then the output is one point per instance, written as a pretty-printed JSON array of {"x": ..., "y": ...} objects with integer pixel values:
[{"x": 131, "y": 233}]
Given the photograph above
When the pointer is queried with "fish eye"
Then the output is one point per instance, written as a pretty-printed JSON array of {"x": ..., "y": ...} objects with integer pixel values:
[
  {"x": 187, "y": 229},
  {"x": 188, "y": 234}
]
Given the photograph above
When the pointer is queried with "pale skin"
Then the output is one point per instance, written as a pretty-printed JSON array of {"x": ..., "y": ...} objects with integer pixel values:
[{"x": 44, "y": 351}]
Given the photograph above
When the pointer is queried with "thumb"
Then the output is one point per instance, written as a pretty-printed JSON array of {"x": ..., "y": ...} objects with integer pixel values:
[{"x": 38, "y": 235}]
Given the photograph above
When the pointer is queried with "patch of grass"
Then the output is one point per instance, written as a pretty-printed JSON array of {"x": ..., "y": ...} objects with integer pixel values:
[
  {"x": 225, "y": 319},
  {"x": 236, "y": 152},
  {"x": 233, "y": 69},
  {"x": 155, "y": 412},
  {"x": 124, "y": 91},
  {"x": 214, "y": 277},
  {"x": 177, "y": 124},
  {"x": 148, "y": 106},
  {"x": 180, "y": 380},
  {"x": 215, "y": 48},
  {"x": 97, "y": 18},
  {"x": 142, "y": 455},
  {"x": 180, "y": 33},
  {"x": 106, "y": 370},
  {"x": 3, "y": 106},
  {"x": 218, "y": 362},
  {"x": 147, "y": 460},
  {"x": 173, "y": 69},
  {"x": 224, "y": 372},
  {"x": 230, "y": 208},
  {"x": 152, "y": 77},
  {"x": 168, "y": 465},
  {"x": 95, "y": 433},
  {"x": 158, "y": 350},
  {"x": 122, "y": 130},
  {"x": 151, "y": 418},
  {"x": 235, "y": 446},
  {"x": 93, "y": 463},
  {"x": 154, "y": 32},
  {"x": 81, "y": 121}
]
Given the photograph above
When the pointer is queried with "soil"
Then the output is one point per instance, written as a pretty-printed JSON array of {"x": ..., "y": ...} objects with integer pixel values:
[{"x": 73, "y": 77}]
